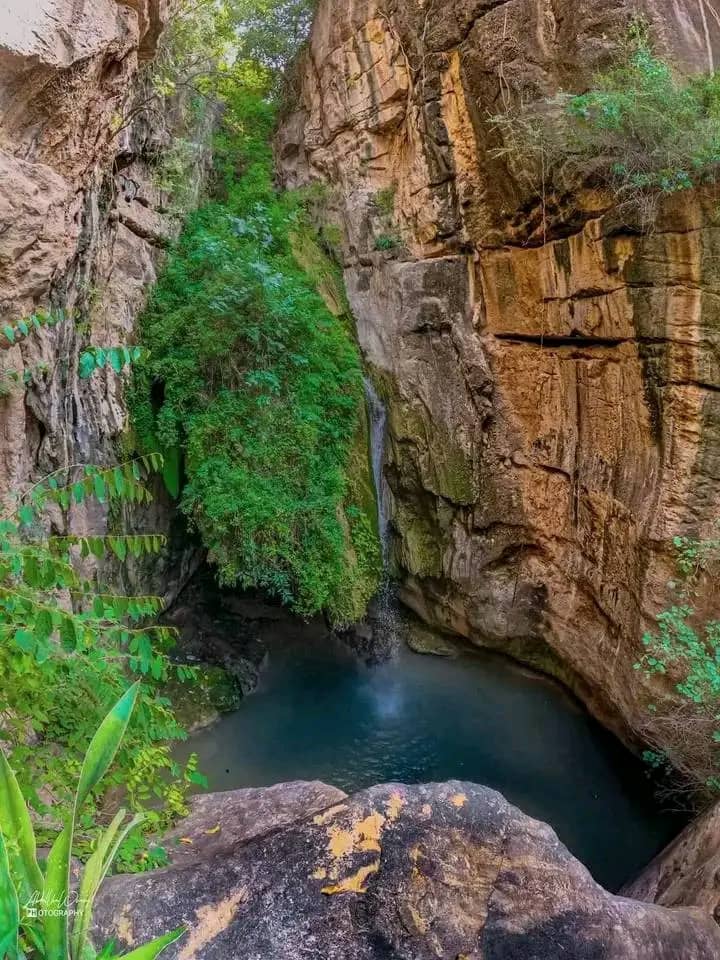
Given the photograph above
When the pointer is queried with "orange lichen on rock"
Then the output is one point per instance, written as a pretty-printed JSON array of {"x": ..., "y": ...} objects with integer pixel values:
[
  {"x": 394, "y": 805},
  {"x": 355, "y": 883}
]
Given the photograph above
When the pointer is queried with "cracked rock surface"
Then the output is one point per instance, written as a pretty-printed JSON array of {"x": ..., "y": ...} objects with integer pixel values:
[{"x": 391, "y": 873}]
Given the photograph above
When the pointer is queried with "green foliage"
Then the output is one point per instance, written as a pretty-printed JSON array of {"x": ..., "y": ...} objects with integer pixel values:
[
  {"x": 209, "y": 49},
  {"x": 69, "y": 649},
  {"x": 35, "y": 905},
  {"x": 117, "y": 358},
  {"x": 654, "y": 131},
  {"x": 173, "y": 173},
  {"x": 387, "y": 241},
  {"x": 642, "y": 129},
  {"x": 685, "y": 649},
  {"x": 384, "y": 200},
  {"x": 13, "y": 332},
  {"x": 257, "y": 382},
  {"x": 270, "y": 31},
  {"x": 210, "y": 46},
  {"x": 93, "y": 358}
]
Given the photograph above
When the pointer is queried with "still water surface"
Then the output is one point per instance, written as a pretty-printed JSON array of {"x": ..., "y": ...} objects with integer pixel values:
[{"x": 318, "y": 713}]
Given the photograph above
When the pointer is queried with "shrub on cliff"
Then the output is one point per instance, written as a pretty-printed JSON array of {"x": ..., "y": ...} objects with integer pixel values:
[
  {"x": 684, "y": 651},
  {"x": 642, "y": 130},
  {"x": 260, "y": 385}
]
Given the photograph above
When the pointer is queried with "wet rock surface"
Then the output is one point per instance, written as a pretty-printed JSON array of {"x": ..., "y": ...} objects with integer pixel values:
[
  {"x": 224, "y": 627},
  {"x": 392, "y": 873}
]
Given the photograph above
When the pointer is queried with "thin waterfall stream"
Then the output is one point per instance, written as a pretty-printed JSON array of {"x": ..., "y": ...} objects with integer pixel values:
[
  {"x": 385, "y": 612},
  {"x": 377, "y": 415}
]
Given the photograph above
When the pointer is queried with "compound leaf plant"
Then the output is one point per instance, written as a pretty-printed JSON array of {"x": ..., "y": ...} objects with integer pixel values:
[
  {"x": 70, "y": 649},
  {"x": 35, "y": 914}
]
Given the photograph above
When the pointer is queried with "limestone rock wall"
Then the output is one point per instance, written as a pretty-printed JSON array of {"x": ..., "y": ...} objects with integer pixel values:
[
  {"x": 82, "y": 223},
  {"x": 551, "y": 371}
]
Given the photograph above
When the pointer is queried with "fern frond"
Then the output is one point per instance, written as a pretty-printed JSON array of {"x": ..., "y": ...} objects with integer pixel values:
[{"x": 134, "y": 544}]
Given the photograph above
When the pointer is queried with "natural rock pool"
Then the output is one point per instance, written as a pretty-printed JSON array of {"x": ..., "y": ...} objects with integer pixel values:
[{"x": 319, "y": 713}]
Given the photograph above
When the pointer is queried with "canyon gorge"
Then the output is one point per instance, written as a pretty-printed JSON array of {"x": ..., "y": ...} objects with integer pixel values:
[
  {"x": 545, "y": 370},
  {"x": 549, "y": 368}
]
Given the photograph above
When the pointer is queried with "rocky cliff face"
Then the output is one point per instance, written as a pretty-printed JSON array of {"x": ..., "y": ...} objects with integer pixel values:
[
  {"x": 551, "y": 371},
  {"x": 82, "y": 224},
  {"x": 451, "y": 871},
  {"x": 687, "y": 873}
]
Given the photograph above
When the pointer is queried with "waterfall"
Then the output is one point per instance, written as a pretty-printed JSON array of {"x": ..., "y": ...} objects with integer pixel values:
[
  {"x": 377, "y": 413},
  {"x": 384, "y": 612}
]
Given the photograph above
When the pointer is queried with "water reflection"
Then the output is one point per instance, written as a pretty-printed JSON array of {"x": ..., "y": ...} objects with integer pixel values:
[{"x": 320, "y": 714}]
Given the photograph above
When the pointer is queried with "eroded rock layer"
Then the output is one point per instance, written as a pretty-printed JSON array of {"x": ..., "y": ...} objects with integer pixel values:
[
  {"x": 298, "y": 872},
  {"x": 551, "y": 371},
  {"x": 687, "y": 873},
  {"x": 83, "y": 223}
]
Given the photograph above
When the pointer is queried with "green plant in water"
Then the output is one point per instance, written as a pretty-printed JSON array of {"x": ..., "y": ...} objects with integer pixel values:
[{"x": 34, "y": 904}]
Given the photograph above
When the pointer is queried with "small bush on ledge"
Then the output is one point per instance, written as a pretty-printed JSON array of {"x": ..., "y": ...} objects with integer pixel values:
[
  {"x": 682, "y": 656},
  {"x": 643, "y": 131}
]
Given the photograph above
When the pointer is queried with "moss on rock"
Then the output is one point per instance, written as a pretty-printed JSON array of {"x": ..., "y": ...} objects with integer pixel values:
[{"x": 213, "y": 692}]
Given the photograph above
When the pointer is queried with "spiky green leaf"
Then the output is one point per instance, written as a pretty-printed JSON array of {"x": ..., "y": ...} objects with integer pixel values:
[
  {"x": 148, "y": 951},
  {"x": 15, "y": 823},
  {"x": 98, "y": 758},
  {"x": 9, "y": 908}
]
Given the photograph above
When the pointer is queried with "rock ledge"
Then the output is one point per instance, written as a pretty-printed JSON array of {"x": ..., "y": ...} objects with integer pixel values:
[{"x": 446, "y": 870}]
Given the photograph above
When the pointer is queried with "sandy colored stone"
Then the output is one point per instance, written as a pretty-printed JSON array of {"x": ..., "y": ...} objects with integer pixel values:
[
  {"x": 552, "y": 373},
  {"x": 687, "y": 872},
  {"x": 83, "y": 226}
]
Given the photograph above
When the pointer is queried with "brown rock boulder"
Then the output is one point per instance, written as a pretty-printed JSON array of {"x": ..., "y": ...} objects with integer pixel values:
[
  {"x": 687, "y": 873},
  {"x": 396, "y": 873}
]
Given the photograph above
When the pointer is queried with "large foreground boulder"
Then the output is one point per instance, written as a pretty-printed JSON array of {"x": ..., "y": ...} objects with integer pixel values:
[{"x": 447, "y": 871}]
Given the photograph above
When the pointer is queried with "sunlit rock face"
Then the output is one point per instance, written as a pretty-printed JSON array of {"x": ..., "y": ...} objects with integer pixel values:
[
  {"x": 551, "y": 371},
  {"x": 300, "y": 872},
  {"x": 83, "y": 224},
  {"x": 72, "y": 197}
]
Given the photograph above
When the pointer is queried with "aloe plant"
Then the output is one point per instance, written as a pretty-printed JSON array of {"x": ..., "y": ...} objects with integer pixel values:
[{"x": 50, "y": 935}]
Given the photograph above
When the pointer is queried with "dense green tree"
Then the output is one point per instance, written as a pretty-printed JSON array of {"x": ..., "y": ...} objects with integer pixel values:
[{"x": 260, "y": 385}]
